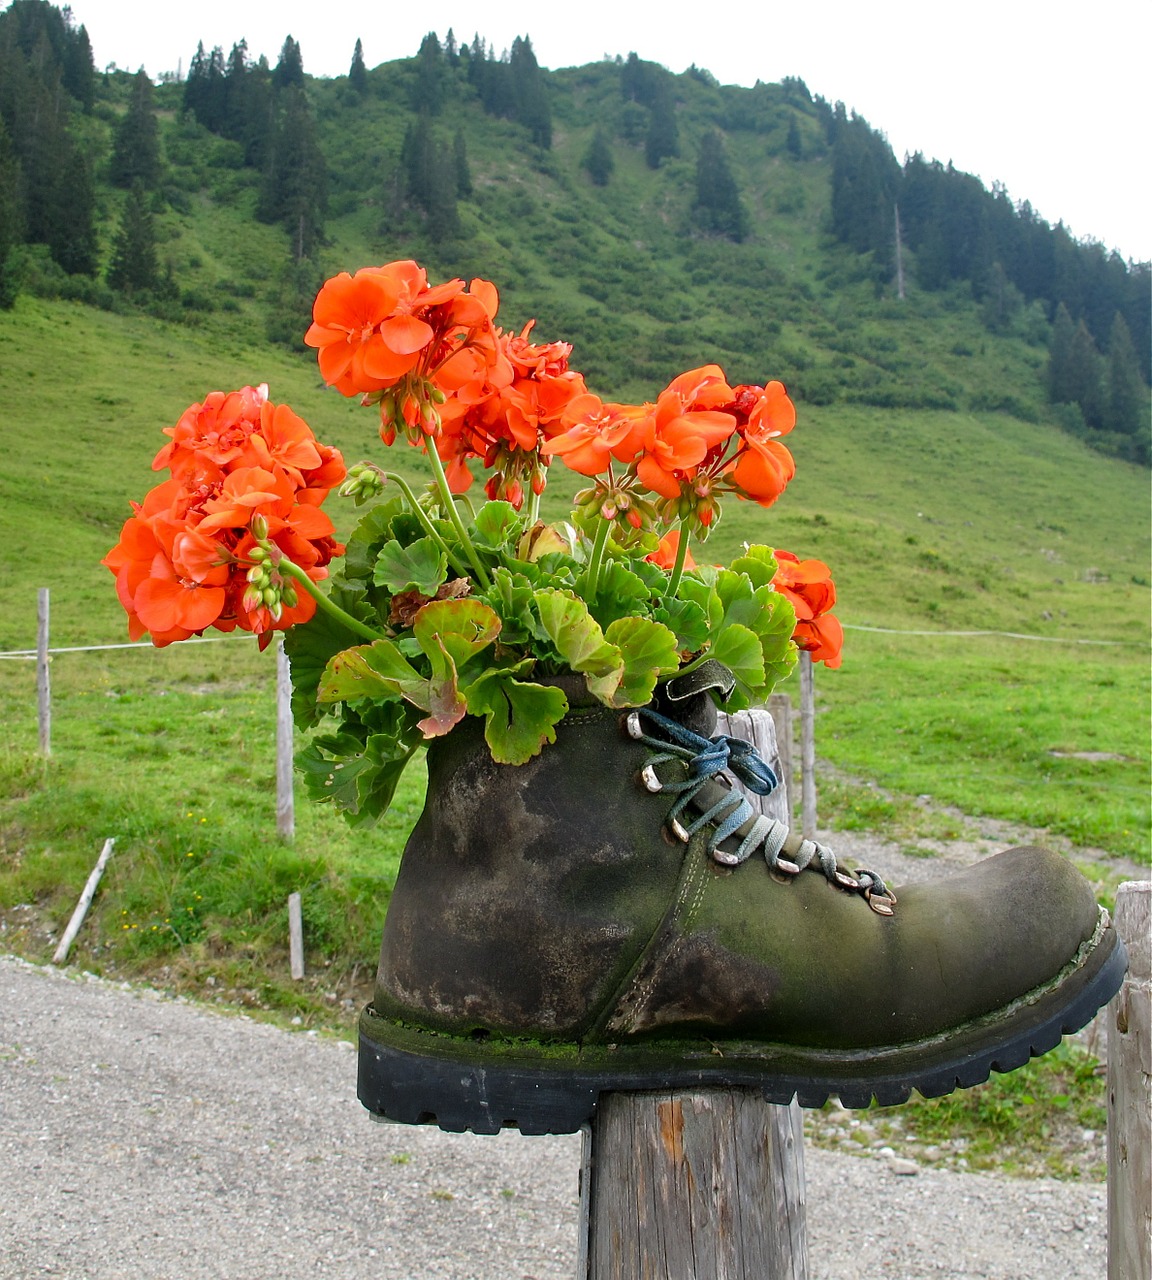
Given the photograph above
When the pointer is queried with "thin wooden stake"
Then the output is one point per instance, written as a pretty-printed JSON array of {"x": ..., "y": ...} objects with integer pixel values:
[
  {"x": 780, "y": 709},
  {"x": 295, "y": 936},
  {"x": 43, "y": 682},
  {"x": 85, "y": 902},
  {"x": 1130, "y": 1093},
  {"x": 807, "y": 747},
  {"x": 285, "y": 798}
]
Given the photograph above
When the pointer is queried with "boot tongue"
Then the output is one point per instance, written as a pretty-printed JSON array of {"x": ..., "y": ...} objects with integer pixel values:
[{"x": 688, "y": 698}]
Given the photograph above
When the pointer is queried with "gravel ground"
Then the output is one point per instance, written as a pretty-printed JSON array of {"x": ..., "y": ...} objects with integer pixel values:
[{"x": 148, "y": 1137}]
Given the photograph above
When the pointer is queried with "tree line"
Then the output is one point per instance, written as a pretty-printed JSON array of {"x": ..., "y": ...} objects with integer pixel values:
[{"x": 1009, "y": 255}]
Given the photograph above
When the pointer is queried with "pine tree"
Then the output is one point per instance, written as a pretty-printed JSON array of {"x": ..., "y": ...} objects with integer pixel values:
[
  {"x": 428, "y": 87},
  {"x": 794, "y": 144},
  {"x": 136, "y": 148},
  {"x": 1084, "y": 377},
  {"x": 530, "y": 95},
  {"x": 295, "y": 188},
  {"x": 1126, "y": 399},
  {"x": 133, "y": 267},
  {"x": 289, "y": 71},
  {"x": 11, "y": 229},
  {"x": 663, "y": 139},
  {"x": 1059, "y": 381},
  {"x": 357, "y": 72},
  {"x": 463, "y": 169},
  {"x": 598, "y": 159},
  {"x": 717, "y": 207}
]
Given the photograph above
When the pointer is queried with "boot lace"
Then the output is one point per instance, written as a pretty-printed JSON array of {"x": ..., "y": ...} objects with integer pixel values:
[{"x": 709, "y": 759}]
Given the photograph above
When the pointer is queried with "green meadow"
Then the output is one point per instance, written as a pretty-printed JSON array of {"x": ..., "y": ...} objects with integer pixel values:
[{"x": 938, "y": 526}]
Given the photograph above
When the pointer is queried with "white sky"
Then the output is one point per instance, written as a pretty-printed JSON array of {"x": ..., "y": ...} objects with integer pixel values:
[{"x": 1048, "y": 97}]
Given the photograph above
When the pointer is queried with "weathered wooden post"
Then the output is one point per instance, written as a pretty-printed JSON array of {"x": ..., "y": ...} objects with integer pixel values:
[
  {"x": 285, "y": 797},
  {"x": 43, "y": 681},
  {"x": 78, "y": 915},
  {"x": 1130, "y": 1093},
  {"x": 807, "y": 747},
  {"x": 295, "y": 937},
  {"x": 707, "y": 1184},
  {"x": 780, "y": 709}
]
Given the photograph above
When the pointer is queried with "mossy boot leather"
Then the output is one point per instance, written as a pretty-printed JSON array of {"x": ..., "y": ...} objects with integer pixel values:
[{"x": 607, "y": 917}]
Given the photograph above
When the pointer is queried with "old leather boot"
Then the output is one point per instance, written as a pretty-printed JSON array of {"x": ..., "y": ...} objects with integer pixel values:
[{"x": 606, "y": 917}]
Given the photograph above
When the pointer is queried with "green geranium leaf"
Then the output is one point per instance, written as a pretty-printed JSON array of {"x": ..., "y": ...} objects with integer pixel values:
[
  {"x": 620, "y": 593},
  {"x": 359, "y": 778},
  {"x": 310, "y": 648},
  {"x": 446, "y": 706},
  {"x": 739, "y": 650},
  {"x": 578, "y": 640},
  {"x": 372, "y": 531},
  {"x": 459, "y": 629},
  {"x": 687, "y": 620},
  {"x": 376, "y": 670},
  {"x": 496, "y": 526},
  {"x": 511, "y": 597},
  {"x": 758, "y": 563},
  {"x": 702, "y": 593},
  {"x": 520, "y": 717},
  {"x": 777, "y": 624},
  {"x": 421, "y": 567},
  {"x": 649, "y": 651}
]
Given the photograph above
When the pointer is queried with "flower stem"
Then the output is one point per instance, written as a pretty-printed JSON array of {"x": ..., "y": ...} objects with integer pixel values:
[
  {"x": 678, "y": 567},
  {"x": 448, "y": 502},
  {"x": 290, "y": 570},
  {"x": 429, "y": 528},
  {"x": 596, "y": 559}
]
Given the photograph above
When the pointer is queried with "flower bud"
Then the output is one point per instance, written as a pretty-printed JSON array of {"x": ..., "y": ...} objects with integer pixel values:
[{"x": 259, "y": 527}]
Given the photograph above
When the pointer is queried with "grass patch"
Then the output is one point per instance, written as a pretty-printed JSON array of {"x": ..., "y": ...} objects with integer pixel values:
[{"x": 1045, "y": 1120}]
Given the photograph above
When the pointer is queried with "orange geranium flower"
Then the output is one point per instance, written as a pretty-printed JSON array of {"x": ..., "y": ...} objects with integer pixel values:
[
  {"x": 384, "y": 324},
  {"x": 183, "y": 559},
  {"x": 808, "y": 585}
]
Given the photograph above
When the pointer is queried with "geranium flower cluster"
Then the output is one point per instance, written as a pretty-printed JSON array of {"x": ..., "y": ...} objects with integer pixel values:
[
  {"x": 808, "y": 585},
  {"x": 230, "y": 538}
]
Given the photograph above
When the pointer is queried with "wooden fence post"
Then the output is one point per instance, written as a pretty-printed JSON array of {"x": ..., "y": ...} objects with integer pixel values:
[
  {"x": 807, "y": 746},
  {"x": 708, "y": 1183},
  {"x": 285, "y": 796},
  {"x": 43, "y": 682},
  {"x": 1130, "y": 1093},
  {"x": 295, "y": 937},
  {"x": 780, "y": 709}
]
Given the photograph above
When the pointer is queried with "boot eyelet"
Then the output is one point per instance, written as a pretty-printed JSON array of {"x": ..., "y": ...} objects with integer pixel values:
[
  {"x": 632, "y": 726},
  {"x": 789, "y": 868},
  {"x": 679, "y": 831},
  {"x": 650, "y": 780}
]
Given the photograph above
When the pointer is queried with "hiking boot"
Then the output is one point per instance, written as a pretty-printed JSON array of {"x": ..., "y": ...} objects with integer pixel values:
[{"x": 611, "y": 916}]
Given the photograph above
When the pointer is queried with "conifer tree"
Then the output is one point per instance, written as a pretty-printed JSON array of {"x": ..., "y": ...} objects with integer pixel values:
[
  {"x": 136, "y": 147},
  {"x": 598, "y": 159},
  {"x": 289, "y": 72},
  {"x": 663, "y": 138},
  {"x": 462, "y": 168},
  {"x": 295, "y": 188},
  {"x": 428, "y": 87},
  {"x": 794, "y": 144},
  {"x": 718, "y": 207},
  {"x": 357, "y": 72},
  {"x": 530, "y": 95},
  {"x": 1084, "y": 376},
  {"x": 11, "y": 229},
  {"x": 1060, "y": 389},
  {"x": 132, "y": 269},
  {"x": 1126, "y": 401}
]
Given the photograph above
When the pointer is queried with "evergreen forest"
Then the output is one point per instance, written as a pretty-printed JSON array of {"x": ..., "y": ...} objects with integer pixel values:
[{"x": 654, "y": 220}]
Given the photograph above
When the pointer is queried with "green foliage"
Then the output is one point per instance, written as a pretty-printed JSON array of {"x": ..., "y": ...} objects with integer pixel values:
[
  {"x": 133, "y": 268},
  {"x": 357, "y": 72},
  {"x": 136, "y": 146},
  {"x": 718, "y": 207}
]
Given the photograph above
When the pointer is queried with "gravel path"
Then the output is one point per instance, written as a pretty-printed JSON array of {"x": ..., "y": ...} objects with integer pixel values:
[{"x": 147, "y": 1137}]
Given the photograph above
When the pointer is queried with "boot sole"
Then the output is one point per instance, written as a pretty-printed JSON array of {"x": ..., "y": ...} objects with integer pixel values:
[{"x": 485, "y": 1084}]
